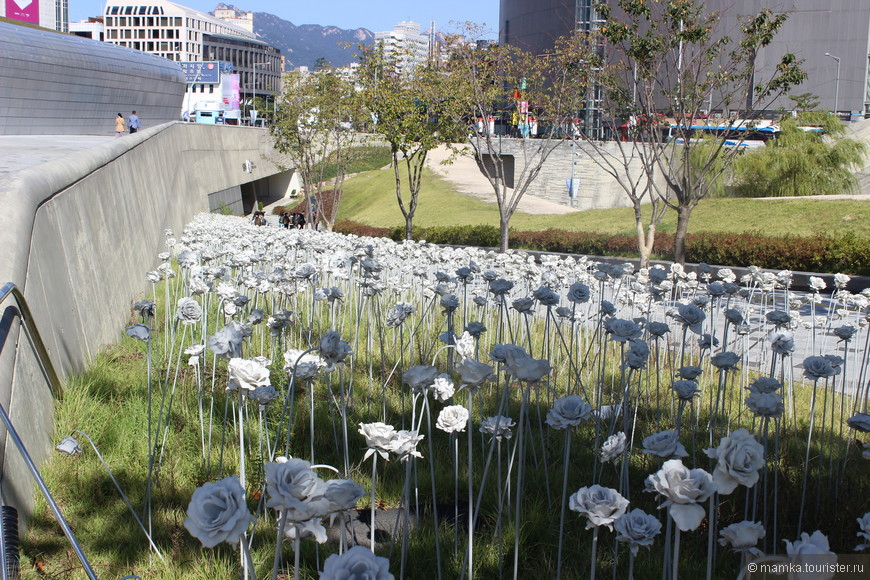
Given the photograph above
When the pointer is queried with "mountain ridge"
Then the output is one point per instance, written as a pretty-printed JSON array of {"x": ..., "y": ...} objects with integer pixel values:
[{"x": 305, "y": 44}]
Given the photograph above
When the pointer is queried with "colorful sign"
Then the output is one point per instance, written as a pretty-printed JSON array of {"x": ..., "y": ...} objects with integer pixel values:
[
  {"x": 230, "y": 92},
  {"x": 23, "y": 10}
]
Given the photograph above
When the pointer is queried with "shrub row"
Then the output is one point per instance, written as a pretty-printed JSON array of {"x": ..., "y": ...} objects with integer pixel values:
[{"x": 847, "y": 253}]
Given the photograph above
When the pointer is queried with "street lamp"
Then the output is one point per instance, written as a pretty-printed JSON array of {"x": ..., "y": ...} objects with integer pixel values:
[{"x": 837, "y": 89}]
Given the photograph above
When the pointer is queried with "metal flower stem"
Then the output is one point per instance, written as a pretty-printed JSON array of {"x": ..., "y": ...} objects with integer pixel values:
[
  {"x": 247, "y": 561},
  {"x": 470, "y": 485},
  {"x": 296, "y": 554},
  {"x": 343, "y": 423},
  {"x": 151, "y": 438},
  {"x": 241, "y": 438},
  {"x": 807, "y": 457},
  {"x": 492, "y": 446},
  {"x": 288, "y": 400},
  {"x": 711, "y": 535},
  {"x": 565, "y": 464},
  {"x": 310, "y": 384},
  {"x": 432, "y": 477},
  {"x": 407, "y": 523},
  {"x": 277, "y": 562},
  {"x": 455, "y": 445},
  {"x": 211, "y": 415},
  {"x": 374, "y": 481},
  {"x": 165, "y": 417},
  {"x": 520, "y": 468},
  {"x": 199, "y": 393},
  {"x": 592, "y": 560},
  {"x": 123, "y": 495},
  {"x": 676, "y": 561}
]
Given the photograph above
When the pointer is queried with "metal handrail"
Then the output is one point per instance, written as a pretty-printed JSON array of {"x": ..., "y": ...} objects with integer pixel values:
[
  {"x": 35, "y": 338},
  {"x": 54, "y": 383}
]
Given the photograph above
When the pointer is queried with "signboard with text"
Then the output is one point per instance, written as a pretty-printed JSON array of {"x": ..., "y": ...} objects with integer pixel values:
[
  {"x": 23, "y": 10},
  {"x": 200, "y": 72}
]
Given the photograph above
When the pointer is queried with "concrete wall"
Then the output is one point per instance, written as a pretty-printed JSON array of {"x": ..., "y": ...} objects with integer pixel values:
[
  {"x": 79, "y": 233},
  {"x": 598, "y": 189},
  {"x": 57, "y": 84}
]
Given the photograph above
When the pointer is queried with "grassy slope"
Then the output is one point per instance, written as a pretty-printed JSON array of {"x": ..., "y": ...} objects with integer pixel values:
[{"x": 370, "y": 199}]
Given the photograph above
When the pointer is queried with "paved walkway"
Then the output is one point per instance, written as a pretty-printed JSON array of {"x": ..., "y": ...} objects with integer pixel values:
[
  {"x": 19, "y": 152},
  {"x": 464, "y": 174}
]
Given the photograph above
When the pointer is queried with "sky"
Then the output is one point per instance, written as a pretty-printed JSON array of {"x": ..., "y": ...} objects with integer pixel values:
[{"x": 376, "y": 15}]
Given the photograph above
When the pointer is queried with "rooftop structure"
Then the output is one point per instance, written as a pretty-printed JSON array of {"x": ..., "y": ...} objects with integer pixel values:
[{"x": 235, "y": 17}]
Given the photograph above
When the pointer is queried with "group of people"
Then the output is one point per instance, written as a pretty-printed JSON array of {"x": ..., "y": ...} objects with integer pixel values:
[
  {"x": 292, "y": 220},
  {"x": 131, "y": 123},
  {"x": 259, "y": 218}
]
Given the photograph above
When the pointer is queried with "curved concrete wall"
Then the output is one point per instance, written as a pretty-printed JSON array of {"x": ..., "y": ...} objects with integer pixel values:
[
  {"x": 56, "y": 84},
  {"x": 78, "y": 234}
]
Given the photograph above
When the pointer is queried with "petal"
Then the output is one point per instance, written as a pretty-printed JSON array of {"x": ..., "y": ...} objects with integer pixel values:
[{"x": 687, "y": 516}]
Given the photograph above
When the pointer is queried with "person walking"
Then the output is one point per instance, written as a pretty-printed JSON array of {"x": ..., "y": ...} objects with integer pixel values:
[
  {"x": 134, "y": 123},
  {"x": 120, "y": 125}
]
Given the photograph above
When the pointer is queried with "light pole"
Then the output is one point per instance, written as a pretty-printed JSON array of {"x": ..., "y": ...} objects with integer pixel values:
[{"x": 837, "y": 89}]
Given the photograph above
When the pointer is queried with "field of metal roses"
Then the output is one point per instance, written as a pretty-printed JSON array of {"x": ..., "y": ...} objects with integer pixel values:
[{"x": 305, "y": 404}]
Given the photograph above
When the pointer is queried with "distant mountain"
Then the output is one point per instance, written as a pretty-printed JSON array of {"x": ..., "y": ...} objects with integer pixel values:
[{"x": 303, "y": 45}]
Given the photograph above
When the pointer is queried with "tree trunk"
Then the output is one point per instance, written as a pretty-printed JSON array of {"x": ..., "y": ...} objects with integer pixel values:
[
  {"x": 408, "y": 221},
  {"x": 683, "y": 213},
  {"x": 645, "y": 242},
  {"x": 503, "y": 225}
]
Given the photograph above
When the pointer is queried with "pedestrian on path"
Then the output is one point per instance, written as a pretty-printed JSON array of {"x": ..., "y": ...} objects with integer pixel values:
[
  {"x": 134, "y": 123},
  {"x": 120, "y": 125}
]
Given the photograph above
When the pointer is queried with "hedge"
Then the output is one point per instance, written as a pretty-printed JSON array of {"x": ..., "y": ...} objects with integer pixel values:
[{"x": 847, "y": 254}]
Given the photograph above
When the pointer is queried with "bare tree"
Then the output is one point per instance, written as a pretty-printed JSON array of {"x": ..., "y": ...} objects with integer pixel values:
[
  {"x": 498, "y": 80},
  {"x": 673, "y": 58},
  {"x": 609, "y": 130}
]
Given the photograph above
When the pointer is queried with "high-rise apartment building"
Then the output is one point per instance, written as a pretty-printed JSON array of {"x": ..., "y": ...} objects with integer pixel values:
[
  {"x": 831, "y": 38},
  {"x": 182, "y": 34},
  {"x": 407, "y": 43}
]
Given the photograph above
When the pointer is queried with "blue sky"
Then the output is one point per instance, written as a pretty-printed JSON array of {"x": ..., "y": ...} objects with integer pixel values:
[{"x": 375, "y": 15}]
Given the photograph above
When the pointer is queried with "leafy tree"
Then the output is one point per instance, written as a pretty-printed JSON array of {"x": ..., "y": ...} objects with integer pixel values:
[
  {"x": 496, "y": 81},
  {"x": 414, "y": 110},
  {"x": 801, "y": 162},
  {"x": 675, "y": 59},
  {"x": 314, "y": 123}
]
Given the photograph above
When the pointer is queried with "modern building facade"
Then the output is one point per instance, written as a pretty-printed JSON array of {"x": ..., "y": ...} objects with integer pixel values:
[
  {"x": 182, "y": 34},
  {"x": 58, "y": 84},
  {"x": 832, "y": 38},
  {"x": 51, "y": 14}
]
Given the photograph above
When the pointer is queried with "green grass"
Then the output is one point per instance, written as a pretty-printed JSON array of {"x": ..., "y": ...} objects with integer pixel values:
[
  {"x": 370, "y": 199},
  {"x": 110, "y": 400},
  {"x": 359, "y": 159}
]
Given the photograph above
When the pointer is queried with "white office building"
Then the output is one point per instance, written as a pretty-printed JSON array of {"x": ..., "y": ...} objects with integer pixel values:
[
  {"x": 407, "y": 43},
  {"x": 182, "y": 34}
]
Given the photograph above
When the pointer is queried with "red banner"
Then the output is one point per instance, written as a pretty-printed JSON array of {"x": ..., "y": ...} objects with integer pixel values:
[{"x": 23, "y": 10}]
